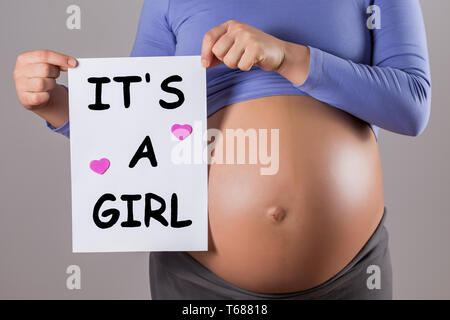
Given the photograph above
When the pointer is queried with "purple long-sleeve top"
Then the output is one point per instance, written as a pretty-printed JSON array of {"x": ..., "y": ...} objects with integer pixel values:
[{"x": 368, "y": 57}]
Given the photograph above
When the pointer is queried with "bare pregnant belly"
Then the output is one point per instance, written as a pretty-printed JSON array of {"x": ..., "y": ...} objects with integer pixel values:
[{"x": 299, "y": 225}]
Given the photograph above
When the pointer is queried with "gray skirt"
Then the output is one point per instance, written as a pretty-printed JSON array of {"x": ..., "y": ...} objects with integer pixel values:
[{"x": 177, "y": 275}]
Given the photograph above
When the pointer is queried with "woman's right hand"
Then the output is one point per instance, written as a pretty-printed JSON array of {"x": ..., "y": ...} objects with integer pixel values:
[{"x": 35, "y": 77}]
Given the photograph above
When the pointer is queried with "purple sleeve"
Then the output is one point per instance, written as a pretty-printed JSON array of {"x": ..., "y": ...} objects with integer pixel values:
[
  {"x": 394, "y": 92},
  {"x": 154, "y": 38},
  {"x": 64, "y": 129}
]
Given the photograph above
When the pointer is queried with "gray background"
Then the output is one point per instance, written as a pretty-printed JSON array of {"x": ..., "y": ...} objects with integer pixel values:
[{"x": 35, "y": 220}]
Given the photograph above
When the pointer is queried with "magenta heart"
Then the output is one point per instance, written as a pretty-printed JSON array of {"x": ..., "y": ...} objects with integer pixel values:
[
  {"x": 99, "y": 166},
  {"x": 181, "y": 131}
]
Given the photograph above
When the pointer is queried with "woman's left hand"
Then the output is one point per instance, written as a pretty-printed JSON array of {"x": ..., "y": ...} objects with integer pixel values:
[{"x": 241, "y": 46}]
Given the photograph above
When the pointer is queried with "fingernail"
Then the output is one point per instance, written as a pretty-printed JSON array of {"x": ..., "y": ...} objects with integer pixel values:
[
  {"x": 204, "y": 63},
  {"x": 72, "y": 62}
]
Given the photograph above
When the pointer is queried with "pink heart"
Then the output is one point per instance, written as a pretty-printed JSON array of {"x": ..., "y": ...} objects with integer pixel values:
[
  {"x": 99, "y": 166},
  {"x": 181, "y": 131}
]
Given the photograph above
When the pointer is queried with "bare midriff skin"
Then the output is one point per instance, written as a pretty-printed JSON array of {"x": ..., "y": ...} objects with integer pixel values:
[{"x": 295, "y": 229}]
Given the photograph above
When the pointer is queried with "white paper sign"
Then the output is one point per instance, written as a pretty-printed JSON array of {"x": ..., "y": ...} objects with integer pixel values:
[{"x": 131, "y": 121}]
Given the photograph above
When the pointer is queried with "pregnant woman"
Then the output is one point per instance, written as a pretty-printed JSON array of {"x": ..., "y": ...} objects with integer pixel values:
[{"x": 327, "y": 75}]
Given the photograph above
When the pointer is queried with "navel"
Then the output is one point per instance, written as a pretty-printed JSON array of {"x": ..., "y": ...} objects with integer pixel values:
[{"x": 276, "y": 214}]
